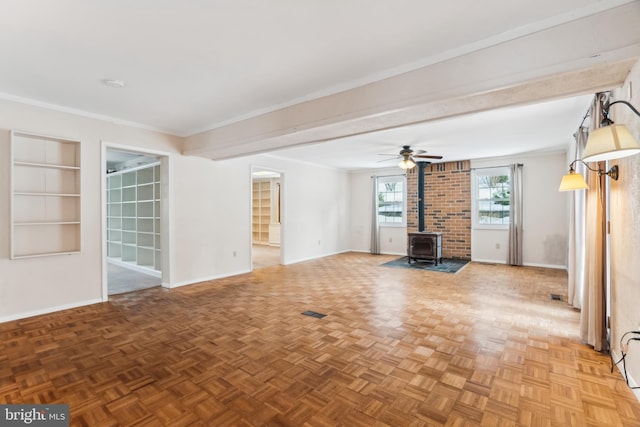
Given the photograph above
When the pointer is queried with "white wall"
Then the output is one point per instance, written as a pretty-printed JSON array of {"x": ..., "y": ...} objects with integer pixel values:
[
  {"x": 625, "y": 234},
  {"x": 36, "y": 285},
  {"x": 210, "y": 216},
  {"x": 545, "y": 224},
  {"x": 315, "y": 207},
  {"x": 393, "y": 239},
  {"x": 211, "y": 219},
  {"x": 545, "y": 215}
]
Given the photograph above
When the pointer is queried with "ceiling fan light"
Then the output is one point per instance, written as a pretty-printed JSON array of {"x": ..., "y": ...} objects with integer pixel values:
[{"x": 407, "y": 164}]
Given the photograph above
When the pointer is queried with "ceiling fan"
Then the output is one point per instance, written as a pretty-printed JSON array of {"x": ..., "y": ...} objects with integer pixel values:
[{"x": 408, "y": 156}]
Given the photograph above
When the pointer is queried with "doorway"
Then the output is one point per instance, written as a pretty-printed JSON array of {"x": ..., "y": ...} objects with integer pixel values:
[
  {"x": 133, "y": 220},
  {"x": 266, "y": 218}
]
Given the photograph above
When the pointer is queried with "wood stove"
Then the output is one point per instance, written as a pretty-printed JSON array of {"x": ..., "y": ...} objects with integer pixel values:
[{"x": 426, "y": 245}]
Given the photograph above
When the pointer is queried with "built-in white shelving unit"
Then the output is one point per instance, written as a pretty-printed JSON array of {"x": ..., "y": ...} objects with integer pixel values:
[
  {"x": 261, "y": 214},
  {"x": 265, "y": 215},
  {"x": 133, "y": 218},
  {"x": 45, "y": 195}
]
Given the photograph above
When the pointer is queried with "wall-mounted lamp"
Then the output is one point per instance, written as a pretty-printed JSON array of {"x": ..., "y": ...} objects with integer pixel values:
[
  {"x": 608, "y": 142},
  {"x": 575, "y": 181}
]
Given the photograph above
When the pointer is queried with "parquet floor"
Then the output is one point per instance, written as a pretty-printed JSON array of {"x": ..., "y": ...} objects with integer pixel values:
[
  {"x": 265, "y": 256},
  {"x": 483, "y": 347}
]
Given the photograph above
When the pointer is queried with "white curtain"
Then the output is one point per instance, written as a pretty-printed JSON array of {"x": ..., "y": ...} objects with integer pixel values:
[
  {"x": 375, "y": 226},
  {"x": 576, "y": 264},
  {"x": 592, "y": 316},
  {"x": 514, "y": 256}
]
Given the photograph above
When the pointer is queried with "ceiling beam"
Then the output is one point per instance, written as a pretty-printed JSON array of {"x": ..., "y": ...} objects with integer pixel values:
[{"x": 583, "y": 56}]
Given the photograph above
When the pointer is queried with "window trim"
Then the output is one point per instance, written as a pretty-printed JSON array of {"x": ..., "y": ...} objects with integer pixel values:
[
  {"x": 477, "y": 173},
  {"x": 395, "y": 178}
]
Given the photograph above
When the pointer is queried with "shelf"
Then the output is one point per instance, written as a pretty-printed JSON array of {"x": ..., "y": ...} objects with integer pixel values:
[
  {"x": 128, "y": 253},
  {"x": 128, "y": 210},
  {"x": 20, "y": 224},
  {"x": 114, "y": 182},
  {"x": 261, "y": 210},
  {"x": 45, "y": 195},
  {"x": 145, "y": 240},
  {"x": 114, "y": 223},
  {"x": 129, "y": 237},
  {"x": 36, "y": 255},
  {"x": 129, "y": 194},
  {"x": 46, "y": 238},
  {"x": 145, "y": 176},
  {"x": 43, "y": 149},
  {"x": 114, "y": 249},
  {"x": 128, "y": 179},
  {"x": 49, "y": 181},
  {"x": 129, "y": 224},
  {"x": 45, "y": 165},
  {"x": 145, "y": 192},
  {"x": 114, "y": 196},
  {"x": 138, "y": 219}
]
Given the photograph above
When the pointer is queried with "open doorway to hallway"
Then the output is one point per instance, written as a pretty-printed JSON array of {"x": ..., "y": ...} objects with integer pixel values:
[
  {"x": 266, "y": 212},
  {"x": 133, "y": 221}
]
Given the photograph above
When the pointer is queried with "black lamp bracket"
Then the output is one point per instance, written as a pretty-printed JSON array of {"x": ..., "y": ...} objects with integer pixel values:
[
  {"x": 611, "y": 173},
  {"x": 606, "y": 121}
]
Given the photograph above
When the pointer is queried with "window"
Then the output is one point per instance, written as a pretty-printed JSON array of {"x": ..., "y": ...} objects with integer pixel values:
[
  {"x": 391, "y": 195},
  {"x": 492, "y": 197}
]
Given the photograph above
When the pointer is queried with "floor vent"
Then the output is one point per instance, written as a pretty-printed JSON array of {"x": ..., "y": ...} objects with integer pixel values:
[
  {"x": 313, "y": 314},
  {"x": 555, "y": 297}
]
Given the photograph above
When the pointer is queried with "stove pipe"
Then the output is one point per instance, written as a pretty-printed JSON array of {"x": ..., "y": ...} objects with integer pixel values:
[{"x": 421, "y": 166}]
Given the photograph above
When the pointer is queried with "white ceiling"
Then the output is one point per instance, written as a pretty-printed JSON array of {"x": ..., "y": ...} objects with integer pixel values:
[{"x": 191, "y": 66}]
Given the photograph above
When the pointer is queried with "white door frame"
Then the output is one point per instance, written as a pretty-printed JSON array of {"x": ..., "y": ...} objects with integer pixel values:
[
  {"x": 255, "y": 168},
  {"x": 165, "y": 207}
]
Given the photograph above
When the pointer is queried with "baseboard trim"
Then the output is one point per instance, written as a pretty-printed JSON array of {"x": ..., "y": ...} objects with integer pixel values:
[
  {"x": 526, "y": 264},
  {"x": 49, "y": 310},
  {"x": 381, "y": 253},
  {"x": 488, "y": 261},
  {"x": 632, "y": 382},
  {"x": 555, "y": 267},
  {"x": 236, "y": 273},
  {"x": 207, "y": 279},
  {"x": 295, "y": 261}
]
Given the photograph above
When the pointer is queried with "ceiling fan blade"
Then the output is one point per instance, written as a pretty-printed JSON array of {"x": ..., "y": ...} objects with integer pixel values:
[
  {"x": 426, "y": 156},
  {"x": 394, "y": 155},
  {"x": 385, "y": 160}
]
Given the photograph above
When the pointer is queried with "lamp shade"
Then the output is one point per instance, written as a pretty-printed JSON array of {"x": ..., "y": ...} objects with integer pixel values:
[
  {"x": 610, "y": 142},
  {"x": 573, "y": 181},
  {"x": 407, "y": 164}
]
